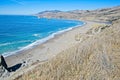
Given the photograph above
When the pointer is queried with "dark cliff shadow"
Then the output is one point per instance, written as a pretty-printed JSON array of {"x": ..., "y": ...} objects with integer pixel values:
[{"x": 14, "y": 68}]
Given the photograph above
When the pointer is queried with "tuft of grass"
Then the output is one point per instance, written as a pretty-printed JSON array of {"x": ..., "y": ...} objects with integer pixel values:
[
  {"x": 97, "y": 28},
  {"x": 81, "y": 37}
]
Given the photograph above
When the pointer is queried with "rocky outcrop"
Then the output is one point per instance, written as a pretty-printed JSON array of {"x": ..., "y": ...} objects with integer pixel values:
[{"x": 3, "y": 66}]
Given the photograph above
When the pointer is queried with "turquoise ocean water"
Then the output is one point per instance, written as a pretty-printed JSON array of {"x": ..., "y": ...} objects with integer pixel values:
[{"x": 19, "y": 32}]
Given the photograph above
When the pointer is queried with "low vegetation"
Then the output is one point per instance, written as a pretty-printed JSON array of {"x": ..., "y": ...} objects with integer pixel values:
[
  {"x": 96, "y": 58},
  {"x": 97, "y": 28}
]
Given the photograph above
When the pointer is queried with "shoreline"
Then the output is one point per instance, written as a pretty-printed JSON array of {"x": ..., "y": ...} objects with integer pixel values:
[
  {"x": 47, "y": 50},
  {"x": 41, "y": 41}
]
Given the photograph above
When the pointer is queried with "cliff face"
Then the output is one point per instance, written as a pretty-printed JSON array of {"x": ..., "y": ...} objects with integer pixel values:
[{"x": 107, "y": 14}]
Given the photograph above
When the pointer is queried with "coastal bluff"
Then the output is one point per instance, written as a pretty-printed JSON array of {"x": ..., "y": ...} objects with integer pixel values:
[{"x": 96, "y": 56}]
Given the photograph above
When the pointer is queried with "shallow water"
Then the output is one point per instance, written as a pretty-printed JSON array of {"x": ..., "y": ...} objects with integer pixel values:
[{"x": 19, "y": 32}]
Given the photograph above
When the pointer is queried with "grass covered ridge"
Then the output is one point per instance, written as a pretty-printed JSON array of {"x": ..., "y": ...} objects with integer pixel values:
[{"x": 95, "y": 58}]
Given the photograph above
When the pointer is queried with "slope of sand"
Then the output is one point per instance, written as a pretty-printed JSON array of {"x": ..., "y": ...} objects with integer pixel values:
[{"x": 46, "y": 51}]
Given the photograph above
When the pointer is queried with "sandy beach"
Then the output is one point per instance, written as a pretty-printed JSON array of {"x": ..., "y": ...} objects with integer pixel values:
[{"x": 47, "y": 50}]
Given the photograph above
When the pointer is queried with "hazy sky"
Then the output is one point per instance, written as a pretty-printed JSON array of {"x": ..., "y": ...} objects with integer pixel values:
[{"x": 35, "y": 6}]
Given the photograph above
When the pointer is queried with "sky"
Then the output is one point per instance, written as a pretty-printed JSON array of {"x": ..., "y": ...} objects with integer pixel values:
[{"x": 35, "y": 6}]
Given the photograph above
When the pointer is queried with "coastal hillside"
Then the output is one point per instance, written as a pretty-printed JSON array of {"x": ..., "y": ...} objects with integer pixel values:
[
  {"x": 95, "y": 57},
  {"x": 106, "y": 14}
]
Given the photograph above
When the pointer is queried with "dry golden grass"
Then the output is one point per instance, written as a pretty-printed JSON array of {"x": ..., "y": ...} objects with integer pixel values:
[
  {"x": 81, "y": 37},
  {"x": 96, "y": 58},
  {"x": 97, "y": 28}
]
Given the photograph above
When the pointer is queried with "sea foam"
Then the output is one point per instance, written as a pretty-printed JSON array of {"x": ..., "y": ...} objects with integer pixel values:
[
  {"x": 40, "y": 41},
  {"x": 19, "y": 33}
]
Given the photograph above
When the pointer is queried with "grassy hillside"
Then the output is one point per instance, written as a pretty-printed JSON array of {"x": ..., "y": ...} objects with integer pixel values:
[
  {"x": 96, "y": 57},
  {"x": 107, "y": 14}
]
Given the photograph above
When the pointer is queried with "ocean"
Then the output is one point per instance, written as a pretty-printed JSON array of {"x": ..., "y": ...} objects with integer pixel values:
[{"x": 19, "y": 32}]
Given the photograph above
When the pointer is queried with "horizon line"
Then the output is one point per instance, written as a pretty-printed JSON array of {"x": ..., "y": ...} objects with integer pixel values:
[{"x": 62, "y": 10}]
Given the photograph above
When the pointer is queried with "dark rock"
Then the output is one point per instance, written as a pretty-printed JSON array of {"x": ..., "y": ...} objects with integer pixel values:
[{"x": 3, "y": 65}]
